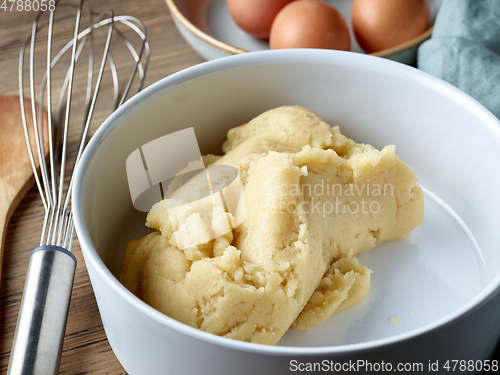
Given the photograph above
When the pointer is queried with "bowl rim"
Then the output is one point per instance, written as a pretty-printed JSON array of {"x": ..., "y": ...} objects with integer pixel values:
[
  {"x": 311, "y": 56},
  {"x": 233, "y": 50}
]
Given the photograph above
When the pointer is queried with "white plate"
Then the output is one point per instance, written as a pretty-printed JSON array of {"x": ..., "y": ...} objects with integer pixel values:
[{"x": 439, "y": 288}]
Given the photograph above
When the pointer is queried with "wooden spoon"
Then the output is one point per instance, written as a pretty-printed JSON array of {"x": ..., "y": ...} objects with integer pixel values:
[{"x": 16, "y": 173}]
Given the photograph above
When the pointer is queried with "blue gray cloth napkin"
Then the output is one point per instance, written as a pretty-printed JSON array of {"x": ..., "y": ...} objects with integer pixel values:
[{"x": 465, "y": 49}]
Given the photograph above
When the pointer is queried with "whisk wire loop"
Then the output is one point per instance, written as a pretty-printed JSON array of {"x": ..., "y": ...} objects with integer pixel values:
[{"x": 51, "y": 178}]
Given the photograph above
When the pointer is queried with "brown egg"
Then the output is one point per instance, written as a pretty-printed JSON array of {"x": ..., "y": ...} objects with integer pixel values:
[
  {"x": 382, "y": 24},
  {"x": 255, "y": 16},
  {"x": 310, "y": 24}
]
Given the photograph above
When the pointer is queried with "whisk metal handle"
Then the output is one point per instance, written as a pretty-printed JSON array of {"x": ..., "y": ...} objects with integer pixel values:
[{"x": 43, "y": 313}]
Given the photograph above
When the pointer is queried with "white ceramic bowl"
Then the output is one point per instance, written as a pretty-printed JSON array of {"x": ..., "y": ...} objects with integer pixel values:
[
  {"x": 209, "y": 28},
  {"x": 439, "y": 288}
]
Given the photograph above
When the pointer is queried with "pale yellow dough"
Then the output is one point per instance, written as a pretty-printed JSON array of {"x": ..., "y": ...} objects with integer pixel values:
[{"x": 291, "y": 263}]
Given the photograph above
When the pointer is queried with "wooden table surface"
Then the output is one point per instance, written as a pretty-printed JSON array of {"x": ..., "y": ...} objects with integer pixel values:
[{"x": 86, "y": 349}]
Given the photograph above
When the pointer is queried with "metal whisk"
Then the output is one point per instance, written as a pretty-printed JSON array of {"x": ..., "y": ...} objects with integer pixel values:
[{"x": 49, "y": 281}]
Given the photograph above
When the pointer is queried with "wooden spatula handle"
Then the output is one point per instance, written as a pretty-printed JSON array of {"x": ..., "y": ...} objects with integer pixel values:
[
  {"x": 16, "y": 172},
  {"x": 4, "y": 222},
  {"x": 7, "y": 207}
]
